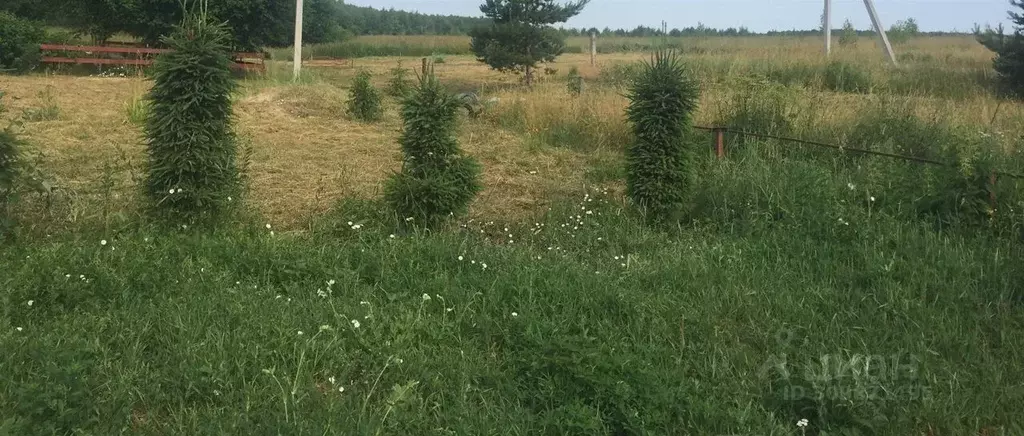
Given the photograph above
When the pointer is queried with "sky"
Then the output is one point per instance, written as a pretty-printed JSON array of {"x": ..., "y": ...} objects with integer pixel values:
[{"x": 756, "y": 15}]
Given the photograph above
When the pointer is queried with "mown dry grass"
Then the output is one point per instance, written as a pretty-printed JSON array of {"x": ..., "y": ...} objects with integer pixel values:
[
  {"x": 306, "y": 152},
  {"x": 536, "y": 145}
]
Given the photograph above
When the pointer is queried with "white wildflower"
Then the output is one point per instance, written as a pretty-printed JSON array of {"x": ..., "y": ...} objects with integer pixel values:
[
  {"x": 391, "y": 236},
  {"x": 341, "y": 389},
  {"x": 331, "y": 379},
  {"x": 171, "y": 191},
  {"x": 872, "y": 198},
  {"x": 851, "y": 186},
  {"x": 355, "y": 323},
  {"x": 331, "y": 282},
  {"x": 802, "y": 423},
  {"x": 30, "y": 302},
  {"x": 515, "y": 314},
  {"x": 103, "y": 242},
  {"x": 324, "y": 328},
  {"x": 300, "y": 332},
  {"x": 18, "y": 328},
  {"x": 268, "y": 226},
  {"x": 426, "y": 297}
]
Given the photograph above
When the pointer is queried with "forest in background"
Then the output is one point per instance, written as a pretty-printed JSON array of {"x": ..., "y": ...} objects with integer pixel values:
[{"x": 269, "y": 23}]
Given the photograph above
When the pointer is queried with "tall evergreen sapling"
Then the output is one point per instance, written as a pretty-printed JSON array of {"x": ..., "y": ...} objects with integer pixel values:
[
  {"x": 661, "y": 170},
  {"x": 437, "y": 180},
  {"x": 398, "y": 84},
  {"x": 1009, "y": 49},
  {"x": 364, "y": 101},
  {"x": 191, "y": 147}
]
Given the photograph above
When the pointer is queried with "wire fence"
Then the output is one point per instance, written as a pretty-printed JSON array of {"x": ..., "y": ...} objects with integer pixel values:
[{"x": 719, "y": 142}]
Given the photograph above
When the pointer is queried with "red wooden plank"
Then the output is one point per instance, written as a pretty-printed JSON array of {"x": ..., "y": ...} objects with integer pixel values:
[
  {"x": 100, "y": 49},
  {"x": 95, "y": 61},
  {"x": 249, "y": 55}
]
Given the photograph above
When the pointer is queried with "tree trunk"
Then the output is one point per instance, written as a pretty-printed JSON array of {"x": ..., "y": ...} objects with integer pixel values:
[{"x": 529, "y": 76}]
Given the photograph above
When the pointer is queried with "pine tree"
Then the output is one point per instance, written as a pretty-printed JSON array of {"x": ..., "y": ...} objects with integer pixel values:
[
  {"x": 660, "y": 163},
  {"x": 364, "y": 102},
  {"x": 1009, "y": 49},
  {"x": 437, "y": 180},
  {"x": 520, "y": 35},
  {"x": 191, "y": 148}
]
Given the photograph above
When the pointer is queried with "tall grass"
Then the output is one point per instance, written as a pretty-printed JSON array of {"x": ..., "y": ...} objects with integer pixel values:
[{"x": 366, "y": 46}]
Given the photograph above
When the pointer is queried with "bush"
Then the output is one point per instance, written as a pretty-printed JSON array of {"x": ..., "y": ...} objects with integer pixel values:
[
  {"x": 843, "y": 77},
  {"x": 619, "y": 74},
  {"x": 437, "y": 180},
  {"x": 364, "y": 102},
  {"x": 191, "y": 147},
  {"x": 398, "y": 84},
  {"x": 660, "y": 164},
  {"x": 574, "y": 81},
  {"x": 848, "y": 37},
  {"x": 19, "y": 43}
]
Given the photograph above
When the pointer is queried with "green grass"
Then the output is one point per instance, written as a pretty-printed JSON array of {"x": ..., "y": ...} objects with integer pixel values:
[{"x": 584, "y": 322}]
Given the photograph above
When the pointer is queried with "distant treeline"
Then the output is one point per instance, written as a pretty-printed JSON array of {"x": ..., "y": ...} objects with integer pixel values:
[{"x": 269, "y": 23}]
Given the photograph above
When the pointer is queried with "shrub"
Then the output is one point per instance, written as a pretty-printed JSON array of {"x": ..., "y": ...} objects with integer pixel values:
[
  {"x": 902, "y": 31},
  {"x": 574, "y": 81},
  {"x": 19, "y": 43},
  {"x": 364, "y": 102},
  {"x": 190, "y": 140},
  {"x": 436, "y": 180},
  {"x": 843, "y": 77},
  {"x": 848, "y": 36},
  {"x": 619, "y": 74},
  {"x": 660, "y": 164},
  {"x": 398, "y": 84}
]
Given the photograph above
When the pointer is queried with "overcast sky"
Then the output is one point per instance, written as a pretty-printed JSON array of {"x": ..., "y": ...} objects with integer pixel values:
[{"x": 756, "y": 15}]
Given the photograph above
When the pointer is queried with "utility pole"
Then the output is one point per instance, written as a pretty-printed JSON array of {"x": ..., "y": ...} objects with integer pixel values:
[
  {"x": 870, "y": 5},
  {"x": 297, "y": 54},
  {"x": 826, "y": 27}
]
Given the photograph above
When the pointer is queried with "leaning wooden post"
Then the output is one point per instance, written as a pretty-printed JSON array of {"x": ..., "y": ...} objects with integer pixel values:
[
  {"x": 992, "y": 191},
  {"x": 593, "y": 49},
  {"x": 423, "y": 68},
  {"x": 719, "y": 141}
]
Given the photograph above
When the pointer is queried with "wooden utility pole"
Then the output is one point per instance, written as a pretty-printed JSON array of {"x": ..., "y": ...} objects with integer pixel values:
[
  {"x": 870, "y": 5},
  {"x": 297, "y": 54},
  {"x": 593, "y": 49},
  {"x": 826, "y": 27}
]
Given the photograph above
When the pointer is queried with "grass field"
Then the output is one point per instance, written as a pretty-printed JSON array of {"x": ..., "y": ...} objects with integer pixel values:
[{"x": 866, "y": 295}]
